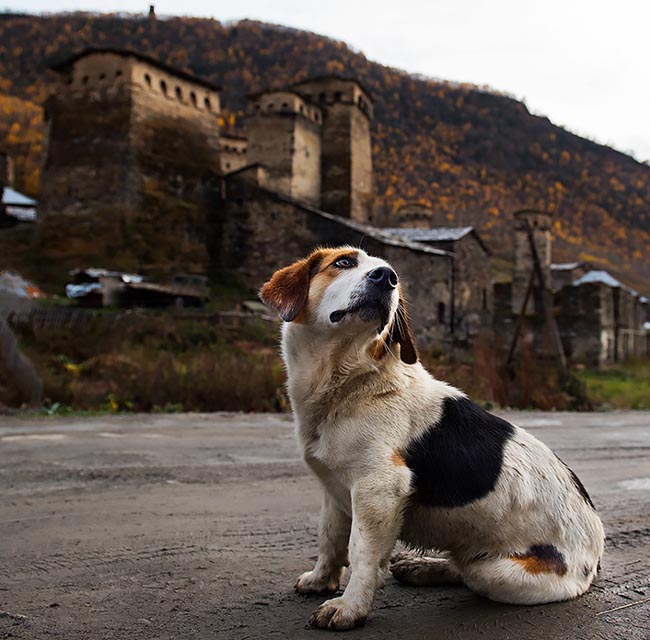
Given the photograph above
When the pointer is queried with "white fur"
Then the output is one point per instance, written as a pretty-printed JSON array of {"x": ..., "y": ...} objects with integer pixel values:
[{"x": 353, "y": 412}]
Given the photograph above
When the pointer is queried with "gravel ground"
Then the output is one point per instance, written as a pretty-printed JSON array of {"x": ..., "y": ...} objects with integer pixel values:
[{"x": 196, "y": 526}]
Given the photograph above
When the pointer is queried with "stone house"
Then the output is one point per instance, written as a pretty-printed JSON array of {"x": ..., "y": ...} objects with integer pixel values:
[{"x": 120, "y": 122}]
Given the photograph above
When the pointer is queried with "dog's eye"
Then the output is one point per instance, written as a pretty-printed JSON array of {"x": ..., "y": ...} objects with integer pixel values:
[{"x": 344, "y": 263}]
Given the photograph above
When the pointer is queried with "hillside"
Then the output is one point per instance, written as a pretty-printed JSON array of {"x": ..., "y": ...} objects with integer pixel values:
[{"x": 474, "y": 155}]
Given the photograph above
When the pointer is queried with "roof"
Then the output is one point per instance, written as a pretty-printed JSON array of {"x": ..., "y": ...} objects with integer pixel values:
[
  {"x": 64, "y": 65},
  {"x": 436, "y": 234},
  {"x": 603, "y": 277},
  {"x": 566, "y": 266},
  {"x": 333, "y": 76},
  {"x": 13, "y": 198}
]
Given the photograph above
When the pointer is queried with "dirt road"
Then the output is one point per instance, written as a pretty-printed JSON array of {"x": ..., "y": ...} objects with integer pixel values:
[{"x": 196, "y": 526}]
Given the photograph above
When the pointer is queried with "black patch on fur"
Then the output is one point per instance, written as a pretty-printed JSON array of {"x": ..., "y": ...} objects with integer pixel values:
[
  {"x": 458, "y": 459},
  {"x": 578, "y": 484},
  {"x": 549, "y": 554}
]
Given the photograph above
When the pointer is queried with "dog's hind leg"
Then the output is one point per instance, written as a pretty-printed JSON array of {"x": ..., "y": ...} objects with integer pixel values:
[{"x": 422, "y": 571}]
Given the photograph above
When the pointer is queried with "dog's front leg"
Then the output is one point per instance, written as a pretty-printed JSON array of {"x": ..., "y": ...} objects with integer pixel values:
[
  {"x": 377, "y": 505},
  {"x": 333, "y": 536}
]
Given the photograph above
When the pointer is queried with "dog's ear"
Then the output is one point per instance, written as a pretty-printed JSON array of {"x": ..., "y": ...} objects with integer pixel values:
[
  {"x": 401, "y": 334},
  {"x": 288, "y": 289}
]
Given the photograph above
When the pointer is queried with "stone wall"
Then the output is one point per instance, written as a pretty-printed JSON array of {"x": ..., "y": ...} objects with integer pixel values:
[
  {"x": 232, "y": 153},
  {"x": 254, "y": 232},
  {"x": 105, "y": 110},
  {"x": 347, "y": 186},
  {"x": 284, "y": 135},
  {"x": 586, "y": 323}
]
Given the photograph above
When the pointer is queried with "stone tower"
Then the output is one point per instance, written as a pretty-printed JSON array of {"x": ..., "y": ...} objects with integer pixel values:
[
  {"x": 346, "y": 172},
  {"x": 120, "y": 122},
  {"x": 284, "y": 135},
  {"x": 538, "y": 224}
]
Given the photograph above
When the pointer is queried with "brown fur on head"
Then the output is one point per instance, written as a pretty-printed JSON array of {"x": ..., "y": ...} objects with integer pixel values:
[{"x": 296, "y": 290}]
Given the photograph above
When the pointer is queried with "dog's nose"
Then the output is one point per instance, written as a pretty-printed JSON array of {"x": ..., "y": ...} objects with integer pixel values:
[{"x": 383, "y": 277}]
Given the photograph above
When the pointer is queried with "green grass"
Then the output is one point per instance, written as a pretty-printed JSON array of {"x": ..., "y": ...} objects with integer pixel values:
[{"x": 621, "y": 386}]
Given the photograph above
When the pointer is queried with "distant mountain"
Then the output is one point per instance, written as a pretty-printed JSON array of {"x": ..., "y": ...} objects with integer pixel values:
[{"x": 473, "y": 155}]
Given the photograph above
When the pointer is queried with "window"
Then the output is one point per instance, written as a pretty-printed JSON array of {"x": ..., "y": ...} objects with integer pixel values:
[
  {"x": 285, "y": 105},
  {"x": 484, "y": 299},
  {"x": 147, "y": 79},
  {"x": 179, "y": 94},
  {"x": 84, "y": 80},
  {"x": 301, "y": 109},
  {"x": 441, "y": 313},
  {"x": 102, "y": 76},
  {"x": 206, "y": 103},
  {"x": 193, "y": 98},
  {"x": 163, "y": 87},
  {"x": 270, "y": 106},
  {"x": 118, "y": 73},
  {"x": 337, "y": 96},
  {"x": 321, "y": 97}
]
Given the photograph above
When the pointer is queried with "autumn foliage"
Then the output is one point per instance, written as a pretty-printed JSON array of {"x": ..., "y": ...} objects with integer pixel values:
[{"x": 473, "y": 155}]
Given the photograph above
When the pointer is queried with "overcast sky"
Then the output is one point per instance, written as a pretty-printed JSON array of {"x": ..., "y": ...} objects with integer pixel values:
[{"x": 583, "y": 63}]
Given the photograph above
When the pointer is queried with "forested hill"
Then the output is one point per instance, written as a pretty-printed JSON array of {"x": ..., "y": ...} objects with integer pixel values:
[{"x": 474, "y": 155}]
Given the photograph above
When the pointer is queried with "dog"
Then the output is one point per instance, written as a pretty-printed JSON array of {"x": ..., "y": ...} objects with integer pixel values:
[{"x": 403, "y": 456}]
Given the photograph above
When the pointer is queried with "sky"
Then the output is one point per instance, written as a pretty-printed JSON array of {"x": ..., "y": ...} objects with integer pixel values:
[{"x": 584, "y": 64}]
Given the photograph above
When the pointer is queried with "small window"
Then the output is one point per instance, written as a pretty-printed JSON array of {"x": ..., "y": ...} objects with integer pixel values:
[
  {"x": 118, "y": 73},
  {"x": 338, "y": 96},
  {"x": 163, "y": 87},
  {"x": 84, "y": 80},
  {"x": 193, "y": 98},
  {"x": 484, "y": 299},
  {"x": 207, "y": 104},
  {"x": 257, "y": 107},
  {"x": 271, "y": 105},
  {"x": 285, "y": 105},
  {"x": 102, "y": 76},
  {"x": 179, "y": 94},
  {"x": 147, "y": 79},
  {"x": 301, "y": 109},
  {"x": 321, "y": 97},
  {"x": 441, "y": 313}
]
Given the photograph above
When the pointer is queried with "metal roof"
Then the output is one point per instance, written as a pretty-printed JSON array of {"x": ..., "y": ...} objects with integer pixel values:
[
  {"x": 438, "y": 234},
  {"x": 603, "y": 277},
  {"x": 13, "y": 198},
  {"x": 565, "y": 266}
]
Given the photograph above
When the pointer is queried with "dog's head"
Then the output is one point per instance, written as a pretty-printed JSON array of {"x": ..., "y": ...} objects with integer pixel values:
[{"x": 344, "y": 290}]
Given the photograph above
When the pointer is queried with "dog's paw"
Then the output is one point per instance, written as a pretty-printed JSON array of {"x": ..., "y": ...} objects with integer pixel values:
[
  {"x": 337, "y": 615},
  {"x": 311, "y": 582}
]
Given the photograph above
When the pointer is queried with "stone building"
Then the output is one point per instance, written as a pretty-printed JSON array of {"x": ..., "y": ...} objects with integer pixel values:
[
  {"x": 470, "y": 291},
  {"x": 117, "y": 119},
  {"x": 598, "y": 319},
  {"x": 602, "y": 320},
  {"x": 256, "y": 230},
  {"x": 320, "y": 127},
  {"x": 232, "y": 153}
]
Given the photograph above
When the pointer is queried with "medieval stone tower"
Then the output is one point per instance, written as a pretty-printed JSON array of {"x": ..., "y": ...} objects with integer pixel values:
[
  {"x": 536, "y": 225},
  {"x": 314, "y": 138},
  {"x": 119, "y": 121},
  {"x": 284, "y": 135}
]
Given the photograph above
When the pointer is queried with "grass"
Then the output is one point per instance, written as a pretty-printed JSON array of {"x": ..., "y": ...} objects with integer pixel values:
[
  {"x": 162, "y": 362},
  {"x": 621, "y": 386}
]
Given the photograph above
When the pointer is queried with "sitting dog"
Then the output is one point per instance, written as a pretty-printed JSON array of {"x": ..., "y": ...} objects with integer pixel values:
[{"x": 403, "y": 456}]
